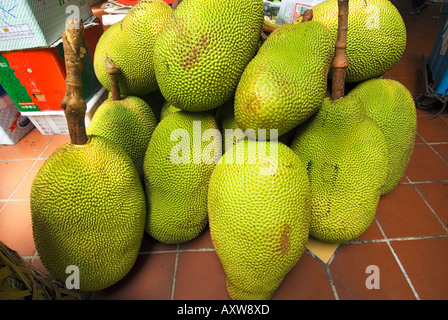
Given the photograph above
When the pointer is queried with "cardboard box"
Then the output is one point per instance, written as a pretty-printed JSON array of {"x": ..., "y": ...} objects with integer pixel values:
[
  {"x": 13, "y": 126},
  {"x": 291, "y": 10},
  {"x": 26, "y": 24},
  {"x": 35, "y": 78}
]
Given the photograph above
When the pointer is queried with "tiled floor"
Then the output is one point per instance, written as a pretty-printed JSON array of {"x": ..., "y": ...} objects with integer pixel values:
[{"x": 408, "y": 240}]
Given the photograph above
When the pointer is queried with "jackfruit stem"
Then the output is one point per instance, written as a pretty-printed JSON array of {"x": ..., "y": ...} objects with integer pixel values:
[
  {"x": 112, "y": 69},
  {"x": 73, "y": 103},
  {"x": 175, "y": 4},
  {"x": 340, "y": 61},
  {"x": 308, "y": 15}
]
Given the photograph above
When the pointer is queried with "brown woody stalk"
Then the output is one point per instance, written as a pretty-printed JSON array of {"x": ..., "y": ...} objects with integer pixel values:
[
  {"x": 175, "y": 4},
  {"x": 308, "y": 15},
  {"x": 73, "y": 104},
  {"x": 340, "y": 61},
  {"x": 113, "y": 70}
]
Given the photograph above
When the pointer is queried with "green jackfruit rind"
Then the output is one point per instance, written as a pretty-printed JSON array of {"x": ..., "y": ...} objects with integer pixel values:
[
  {"x": 392, "y": 107},
  {"x": 88, "y": 210},
  {"x": 129, "y": 123},
  {"x": 203, "y": 48},
  {"x": 376, "y": 35},
  {"x": 346, "y": 156},
  {"x": 259, "y": 221},
  {"x": 176, "y": 191},
  {"x": 130, "y": 44},
  {"x": 286, "y": 81}
]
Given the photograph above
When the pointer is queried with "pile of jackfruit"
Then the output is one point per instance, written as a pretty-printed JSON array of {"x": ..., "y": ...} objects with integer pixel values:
[{"x": 223, "y": 125}]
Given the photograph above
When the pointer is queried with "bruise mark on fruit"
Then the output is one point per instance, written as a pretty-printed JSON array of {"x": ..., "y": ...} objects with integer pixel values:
[
  {"x": 285, "y": 240},
  {"x": 253, "y": 106},
  {"x": 192, "y": 56}
]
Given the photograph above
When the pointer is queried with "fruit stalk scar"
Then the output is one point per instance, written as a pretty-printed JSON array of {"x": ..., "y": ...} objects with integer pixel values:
[
  {"x": 340, "y": 61},
  {"x": 73, "y": 104}
]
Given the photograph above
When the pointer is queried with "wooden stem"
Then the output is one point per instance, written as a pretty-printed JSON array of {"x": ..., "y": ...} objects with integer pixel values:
[
  {"x": 175, "y": 4},
  {"x": 267, "y": 28},
  {"x": 340, "y": 61},
  {"x": 308, "y": 15},
  {"x": 73, "y": 104},
  {"x": 113, "y": 70}
]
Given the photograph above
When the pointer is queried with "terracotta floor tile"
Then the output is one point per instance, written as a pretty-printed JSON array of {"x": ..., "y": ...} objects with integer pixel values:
[
  {"x": 149, "y": 279},
  {"x": 426, "y": 165},
  {"x": 442, "y": 150},
  {"x": 403, "y": 213},
  {"x": 24, "y": 189},
  {"x": 200, "y": 276},
  {"x": 414, "y": 84},
  {"x": 412, "y": 59},
  {"x": 436, "y": 194},
  {"x": 15, "y": 227},
  {"x": 58, "y": 140},
  {"x": 30, "y": 147},
  {"x": 308, "y": 280},
  {"x": 402, "y": 70},
  {"x": 350, "y": 274},
  {"x": 432, "y": 130},
  {"x": 426, "y": 264},
  {"x": 11, "y": 173}
]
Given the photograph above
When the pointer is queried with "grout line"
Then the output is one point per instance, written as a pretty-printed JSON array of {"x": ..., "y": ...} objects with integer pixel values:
[
  {"x": 330, "y": 279},
  {"x": 431, "y": 147},
  {"x": 29, "y": 170},
  {"x": 399, "y": 263},
  {"x": 173, "y": 286},
  {"x": 177, "y": 251},
  {"x": 398, "y": 239},
  {"x": 430, "y": 208},
  {"x": 424, "y": 182}
]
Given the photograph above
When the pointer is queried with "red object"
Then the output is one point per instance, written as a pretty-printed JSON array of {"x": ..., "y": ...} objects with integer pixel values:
[
  {"x": 132, "y": 2},
  {"x": 42, "y": 71},
  {"x": 128, "y": 2}
]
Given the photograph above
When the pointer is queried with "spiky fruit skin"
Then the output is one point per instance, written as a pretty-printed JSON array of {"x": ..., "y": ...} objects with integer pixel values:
[
  {"x": 259, "y": 213},
  {"x": 286, "y": 81},
  {"x": 346, "y": 156},
  {"x": 367, "y": 20},
  {"x": 129, "y": 123},
  {"x": 167, "y": 109},
  {"x": 392, "y": 107},
  {"x": 203, "y": 48},
  {"x": 88, "y": 210},
  {"x": 130, "y": 45},
  {"x": 177, "y": 176}
]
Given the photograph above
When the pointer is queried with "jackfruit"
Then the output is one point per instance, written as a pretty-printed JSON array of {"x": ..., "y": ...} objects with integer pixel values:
[
  {"x": 259, "y": 206},
  {"x": 129, "y": 123},
  {"x": 376, "y": 35},
  {"x": 203, "y": 48},
  {"x": 231, "y": 132},
  {"x": 392, "y": 107},
  {"x": 346, "y": 156},
  {"x": 88, "y": 212},
  {"x": 167, "y": 109},
  {"x": 286, "y": 81},
  {"x": 130, "y": 44},
  {"x": 178, "y": 163}
]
